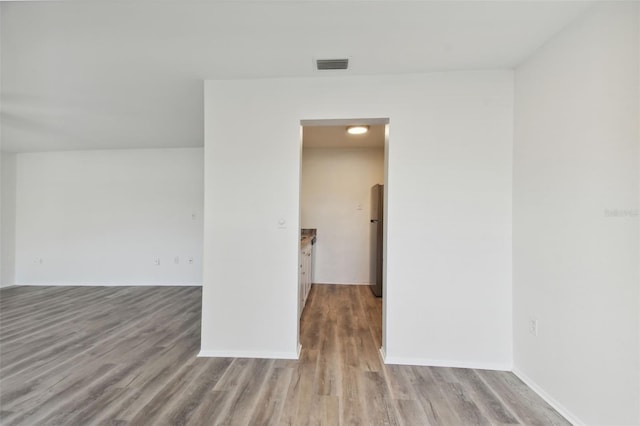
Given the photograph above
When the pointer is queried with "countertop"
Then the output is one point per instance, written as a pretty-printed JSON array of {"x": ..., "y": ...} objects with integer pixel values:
[{"x": 307, "y": 236}]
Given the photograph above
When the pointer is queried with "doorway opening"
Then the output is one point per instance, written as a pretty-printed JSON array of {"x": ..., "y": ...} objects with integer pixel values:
[{"x": 342, "y": 259}]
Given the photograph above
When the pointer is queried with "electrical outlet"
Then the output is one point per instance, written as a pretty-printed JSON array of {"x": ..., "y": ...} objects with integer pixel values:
[
  {"x": 533, "y": 326},
  {"x": 176, "y": 260},
  {"x": 156, "y": 261},
  {"x": 190, "y": 260}
]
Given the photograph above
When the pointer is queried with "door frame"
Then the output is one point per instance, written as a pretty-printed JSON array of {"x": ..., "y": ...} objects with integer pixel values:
[{"x": 348, "y": 122}]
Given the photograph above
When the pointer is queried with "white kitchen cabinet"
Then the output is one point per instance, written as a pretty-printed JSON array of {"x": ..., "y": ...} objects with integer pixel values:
[{"x": 305, "y": 275}]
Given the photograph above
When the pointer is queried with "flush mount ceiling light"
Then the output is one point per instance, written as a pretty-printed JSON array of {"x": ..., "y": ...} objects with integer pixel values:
[{"x": 357, "y": 130}]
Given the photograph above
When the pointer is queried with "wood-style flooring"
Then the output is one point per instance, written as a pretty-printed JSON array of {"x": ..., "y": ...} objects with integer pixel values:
[{"x": 127, "y": 355}]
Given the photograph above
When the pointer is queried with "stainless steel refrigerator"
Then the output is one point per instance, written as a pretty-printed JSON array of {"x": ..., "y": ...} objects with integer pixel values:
[{"x": 376, "y": 227}]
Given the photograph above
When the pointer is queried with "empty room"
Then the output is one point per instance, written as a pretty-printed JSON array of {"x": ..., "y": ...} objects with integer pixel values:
[{"x": 319, "y": 212}]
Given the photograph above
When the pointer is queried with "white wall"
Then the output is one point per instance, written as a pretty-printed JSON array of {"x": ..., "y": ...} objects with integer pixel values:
[
  {"x": 335, "y": 199},
  {"x": 448, "y": 274},
  {"x": 102, "y": 217},
  {"x": 575, "y": 258},
  {"x": 7, "y": 218}
]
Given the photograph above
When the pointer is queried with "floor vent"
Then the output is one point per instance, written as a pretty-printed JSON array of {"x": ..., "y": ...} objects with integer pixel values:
[{"x": 332, "y": 64}]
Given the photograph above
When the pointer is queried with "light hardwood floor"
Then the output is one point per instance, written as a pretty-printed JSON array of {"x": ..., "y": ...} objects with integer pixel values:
[{"x": 127, "y": 355}]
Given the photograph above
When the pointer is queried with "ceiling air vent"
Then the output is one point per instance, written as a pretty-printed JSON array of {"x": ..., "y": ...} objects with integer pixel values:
[{"x": 332, "y": 64}]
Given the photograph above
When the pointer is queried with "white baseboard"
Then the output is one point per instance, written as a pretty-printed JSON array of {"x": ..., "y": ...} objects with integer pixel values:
[
  {"x": 299, "y": 350},
  {"x": 247, "y": 354},
  {"x": 326, "y": 283},
  {"x": 67, "y": 284},
  {"x": 572, "y": 418},
  {"x": 444, "y": 363},
  {"x": 383, "y": 355}
]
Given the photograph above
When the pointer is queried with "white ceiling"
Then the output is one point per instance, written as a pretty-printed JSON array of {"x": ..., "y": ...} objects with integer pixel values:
[
  {"x": 337, "y": 137},
  {"x": 94, "y": 74}
]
